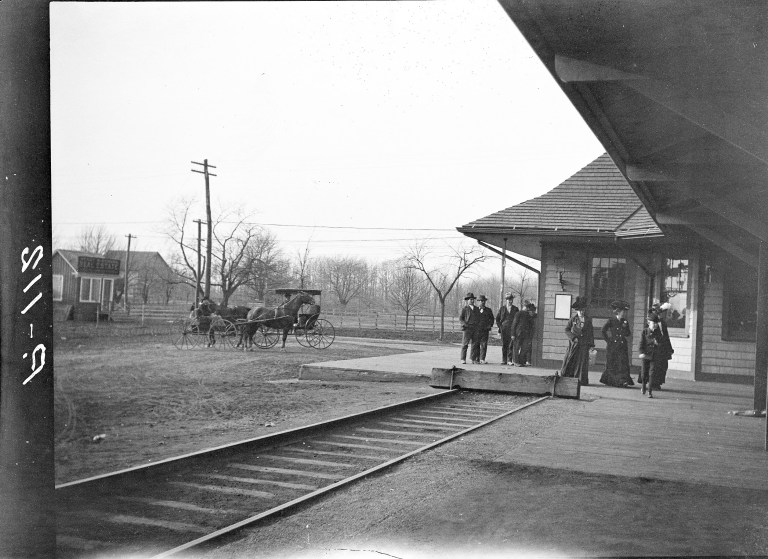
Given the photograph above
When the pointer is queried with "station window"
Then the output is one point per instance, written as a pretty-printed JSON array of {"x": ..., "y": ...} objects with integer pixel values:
[
  {"x": 675, "y": 291},
  {"x": 89, "y": 290},
  {"x": 58, "y": 287},
  {"x": 608, "y": 278}
]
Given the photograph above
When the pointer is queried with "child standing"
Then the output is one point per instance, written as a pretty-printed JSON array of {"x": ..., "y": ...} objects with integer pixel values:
[{"x": 651, "y": 352}]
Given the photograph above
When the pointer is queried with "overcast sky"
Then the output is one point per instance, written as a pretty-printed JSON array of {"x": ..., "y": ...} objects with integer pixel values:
[{"x": 411, "y": 117}]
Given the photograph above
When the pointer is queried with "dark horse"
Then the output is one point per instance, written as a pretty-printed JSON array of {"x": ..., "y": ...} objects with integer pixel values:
[{"x": 281, "y": 318}]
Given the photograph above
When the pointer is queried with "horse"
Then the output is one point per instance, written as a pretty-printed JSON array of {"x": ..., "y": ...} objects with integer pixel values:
[
  {"x": 234, "y": 314},
  {"x": 281, "y": 318}
]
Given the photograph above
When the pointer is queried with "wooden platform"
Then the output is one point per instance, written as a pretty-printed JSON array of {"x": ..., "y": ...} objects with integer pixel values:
[
  {"x": 517, "y": 383},
  {"x": 687, "y": 432}
]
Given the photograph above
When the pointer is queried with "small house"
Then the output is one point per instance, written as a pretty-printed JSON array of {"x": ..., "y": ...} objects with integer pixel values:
[{"x": 83, "y": 284}]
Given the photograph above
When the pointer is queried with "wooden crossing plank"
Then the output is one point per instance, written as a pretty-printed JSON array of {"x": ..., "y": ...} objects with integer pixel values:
[
  {"x": 517, "y": 383},
  {"x": 390, "y": 432},
  {"x": 181, "y": 505},
  {"x": 286, "y": 471},
  {"x": 418, "y": 425},
  {"x": 375, "y": 440},
  {"x": 360, "y": 446},
  {"x": 333, "y": 453},
  {"x": 445, "y": 420},
  {"x": 261, "y": 481},
  {"x": 227, "y": 490},
  {"x": 307, "y": 461},
  {"x": 144, "y": 521}
]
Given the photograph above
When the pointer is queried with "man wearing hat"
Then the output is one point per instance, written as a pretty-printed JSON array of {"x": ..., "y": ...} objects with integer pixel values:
[
  {"x": 504, "y": 322},
  {"x": 652, "y": 352},
  {"x": 486, "y": 320},
  {"x": 470, "y": 322},
  {"x": 615, "y": 333},
  {"x": 522, "y": 335}
]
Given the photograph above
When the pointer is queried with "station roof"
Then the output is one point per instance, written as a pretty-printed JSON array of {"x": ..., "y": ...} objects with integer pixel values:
[
  {"x": 675, "y": 91},
  {"x": 596, "y": 202}
]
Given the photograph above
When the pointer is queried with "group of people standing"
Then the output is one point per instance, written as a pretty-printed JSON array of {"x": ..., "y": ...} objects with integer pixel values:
[
  {"x": 515, "y": 326},
  {"x": 655, "y": 347}
]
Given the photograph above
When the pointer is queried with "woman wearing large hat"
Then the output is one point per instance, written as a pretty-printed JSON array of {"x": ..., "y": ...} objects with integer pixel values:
[
  {"x": 665, "y": 350},
  {"x": 581, "y": 341},
  {"x": 615, "y": 332}
]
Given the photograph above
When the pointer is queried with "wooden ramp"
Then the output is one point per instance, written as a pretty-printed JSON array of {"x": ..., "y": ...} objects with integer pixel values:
[{"x": 478, "y": 379}]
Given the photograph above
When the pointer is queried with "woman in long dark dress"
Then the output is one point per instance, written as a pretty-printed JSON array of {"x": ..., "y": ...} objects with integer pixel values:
[
  {"x": 615, "y": 332},
  {"x": 581, "y": 341},
  {"x": 665, "y": 349}
]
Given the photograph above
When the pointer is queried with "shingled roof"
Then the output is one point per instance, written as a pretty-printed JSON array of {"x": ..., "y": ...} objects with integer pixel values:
[{"x": 596, "y": 199}]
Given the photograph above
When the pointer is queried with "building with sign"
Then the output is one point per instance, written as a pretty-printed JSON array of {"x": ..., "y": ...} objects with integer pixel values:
[
  {"x": 594, "y": 238},
  {"x": 83, "y": 284}
]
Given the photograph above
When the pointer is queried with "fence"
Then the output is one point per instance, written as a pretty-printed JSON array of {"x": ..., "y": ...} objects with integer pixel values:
[{"x": 364, "y": 320}]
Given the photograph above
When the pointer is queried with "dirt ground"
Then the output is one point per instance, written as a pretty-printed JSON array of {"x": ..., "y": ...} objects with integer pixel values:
[
  {"x": 120, "y": 404},
  {"x": 465, "y": 499}
]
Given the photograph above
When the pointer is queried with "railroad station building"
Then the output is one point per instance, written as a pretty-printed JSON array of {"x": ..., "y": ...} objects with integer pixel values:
[
  {"x": 593, "y": 237},
  {"x": 674, "y": 94}
]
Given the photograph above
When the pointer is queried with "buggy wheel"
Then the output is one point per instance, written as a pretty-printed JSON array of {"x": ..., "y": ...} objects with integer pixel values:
[
  {"x": 321, "y": 335},
  {"x": 301, "y": 337},
  {"x": 185, "y": 336},
  {"x": 266, "y": 337},
  {"x": 225, "y": 334}
]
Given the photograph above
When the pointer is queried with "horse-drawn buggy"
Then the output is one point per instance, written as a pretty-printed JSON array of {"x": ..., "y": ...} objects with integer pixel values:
[{"x": 242, "y": 327}]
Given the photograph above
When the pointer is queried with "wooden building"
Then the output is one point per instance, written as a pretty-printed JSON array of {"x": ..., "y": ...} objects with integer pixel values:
[
  {"x": 594, "y": 238},
  {"x": 83, "y": 284}
]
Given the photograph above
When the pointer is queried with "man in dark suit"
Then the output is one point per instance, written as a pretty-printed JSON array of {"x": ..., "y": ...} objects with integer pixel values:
[
  {"x": 484, "y": 329},
  {"x": 469, "y": 320},
  {"x": 522, "y": 335},
  {"x": 504, "y": 320}
]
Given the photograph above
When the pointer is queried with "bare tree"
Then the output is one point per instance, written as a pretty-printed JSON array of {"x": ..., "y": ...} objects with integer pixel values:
[
  {"x": 96, "y": 240},
  {"x": 302, "y": 267},
  {"x": 345, "y": 276},
  {"x": 443, "y": 276},
  {"x": 185, "y": 260},
  {"x": 268, "y": 267},
  {"x": 232, "y": 254},
  {"x": 525, "y": 285},
  {"x": 407, "y": 290}
]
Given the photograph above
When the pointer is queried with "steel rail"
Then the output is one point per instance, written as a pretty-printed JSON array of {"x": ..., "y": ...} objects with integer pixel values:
[
  {"x": 327, "y": 489},
  {"x": 270, "y": 439}
]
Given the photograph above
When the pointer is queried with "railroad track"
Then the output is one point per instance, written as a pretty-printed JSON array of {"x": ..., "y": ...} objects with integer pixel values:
[{"x": 174, "y": 505}]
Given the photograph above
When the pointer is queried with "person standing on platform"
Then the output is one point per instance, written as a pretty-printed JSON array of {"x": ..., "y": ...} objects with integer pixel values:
[
  {"x": 504, "y": 322},
  {"x": 522, "y": 335},
  {"x": 581, "y": 342},
  {"x": 666, "y": 351},
  {"x": 486, "y": 320},
  {"x": 469, "y": 320},
  {"x": 652, "y": 352},
  {"x": 615, "y": 332}
]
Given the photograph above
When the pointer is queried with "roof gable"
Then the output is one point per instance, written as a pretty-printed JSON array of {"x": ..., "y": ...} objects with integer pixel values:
[
  {"x": 595, "y": 199},
  {"x": 70, "y": 256}
]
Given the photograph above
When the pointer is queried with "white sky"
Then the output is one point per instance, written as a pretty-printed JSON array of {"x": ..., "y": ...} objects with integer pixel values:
[{"x": 399, "y": 115}]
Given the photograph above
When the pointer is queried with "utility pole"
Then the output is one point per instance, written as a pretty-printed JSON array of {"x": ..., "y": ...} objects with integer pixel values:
[
  {"x": 199, "y": 256},
  {"x": 125, "y": 283},
  {"x": 210, "y": 223}
]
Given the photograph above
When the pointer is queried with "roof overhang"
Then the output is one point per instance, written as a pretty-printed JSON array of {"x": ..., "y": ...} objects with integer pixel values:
[{"x": 675, "y": 91}]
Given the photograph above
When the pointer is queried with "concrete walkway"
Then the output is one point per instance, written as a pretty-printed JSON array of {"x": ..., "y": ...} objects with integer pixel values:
[{"x": 687, "y": 432}]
